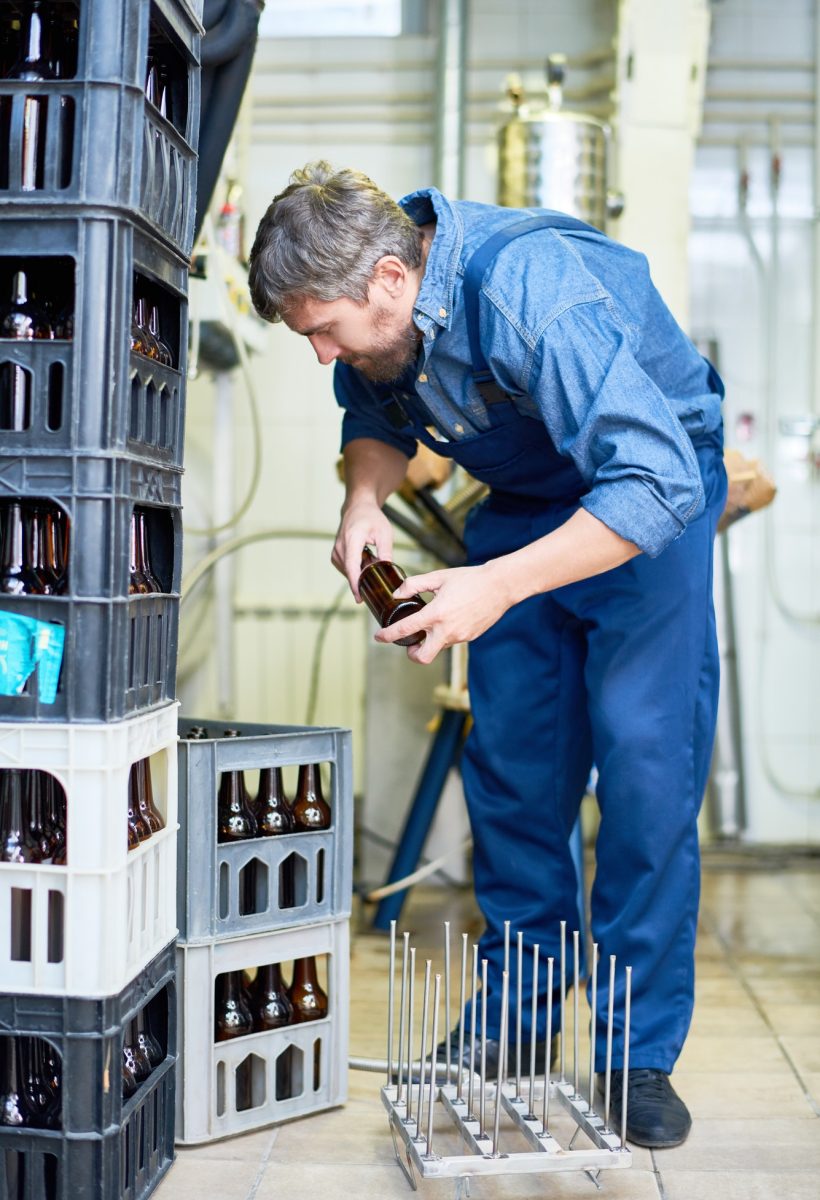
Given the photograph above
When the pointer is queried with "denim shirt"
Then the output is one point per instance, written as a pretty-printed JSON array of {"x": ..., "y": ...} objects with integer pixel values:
[{"x": 574, "y": 330}]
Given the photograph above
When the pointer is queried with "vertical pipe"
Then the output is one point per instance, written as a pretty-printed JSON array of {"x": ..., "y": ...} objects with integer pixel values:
[
  {"x": 625, "y": 1072},
  {"x": 548, "y": 1062},
  {"x": 391, "y": 987},
  {"x": 563, "y": 1001},
  {"x": 410, "y": 1002},
  {"x": 447, "y": 1000},
  {"x": 519, "y": 1000},
  {"x": 448, "y": 172},
  {"x": 402, "y": 999},
  {"x": 224, "y": 433},
  {"x": 431, "y": 1107},
  {"x": 462, "y": 1008},
  {"x": 482, "y": 1096},
  {"x": 575, "y": 990},
  {"x": 502, "y": 1057},
  {"x": 534, "y": 1029},
  {"x": 472, "y": 1032},
  {"x": 815, "y": 341},
  {"x": 609, "y": 1023},
  {"x": 593, "y": 1017},
  {"x": 423, "y": 1045}
]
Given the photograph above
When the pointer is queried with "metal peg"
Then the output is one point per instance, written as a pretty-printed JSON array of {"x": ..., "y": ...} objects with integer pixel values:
[
  {"x": 548, "y": 1063},
  {"x": 431, "y": 1107},
  {"x": 610, "y": 1018},
  {"x": 533, "y": 1029},
  {"x": 391, "y": 987},
  {"x": 593, "y": 1014},
  {"x": 507, "y": 946},
  {"x": 502, "y": 1056},
  {"x": 563, "y": 1001},
  {"x": 462, "y": 1009},
  {"x": 575, "y": 990},
  {"x": 625, "y": 1073},
  {"x": 482, "y": 1095},
  {"x": 519, "y": 1002},
  {"x": 411, "y": 990},
  {"x": 472, "y": 1031},
  {"x": 425, "y": 1007},
  {"x": 447, "y": 1056},
  {"x": 402, "y": 1002}
]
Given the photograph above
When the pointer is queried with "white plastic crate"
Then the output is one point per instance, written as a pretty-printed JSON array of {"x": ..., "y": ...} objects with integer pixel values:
[
  {"x": 87, "y": 928},
  {"x": 206, "y": 1082}
]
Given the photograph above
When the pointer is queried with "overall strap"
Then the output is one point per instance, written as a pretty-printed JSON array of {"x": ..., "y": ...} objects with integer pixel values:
[{"x": 474, "y": 273}]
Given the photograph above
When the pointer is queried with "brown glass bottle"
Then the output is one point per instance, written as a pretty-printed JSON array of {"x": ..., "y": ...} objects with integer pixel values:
[
  {"x": 308, "y": 1000},
  {"x": 54, "y": 813},
  {"x": 268, "y": 999},
  {"x": 377, "y": 583},
  {"x": 138, "y": 830},
  {"x": 34, "y": 522},
  {"x": 142, "y": 341},
  {"x": 135, "y": 1060},
  {"x": 141, "y": 579},
  {"x": 235, "y": 821},
  {"x": 153, "y": 328},
  {"x": 41, "y": 1102},
  {"x": 145, "y": 796},
  {"x": 34, "y": 64},
  {"x": 35, "y": 813},
  {"x": 16, "y": 844},
  {"x": 271, "y": 808},
  {"x": 232, "y": 1017},
  {"x": 13, "y": 1107},
  {"x": 310, "y": 810},
  {"x": 146, "y": 1040},
  {"x": 17, "y": 576}
]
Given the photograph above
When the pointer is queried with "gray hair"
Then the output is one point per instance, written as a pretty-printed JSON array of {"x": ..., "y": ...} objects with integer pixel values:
[{"x": 322, "y": 236}]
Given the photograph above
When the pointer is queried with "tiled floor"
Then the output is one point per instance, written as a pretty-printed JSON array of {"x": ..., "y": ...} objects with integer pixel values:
[{"x": 750, "y": 1071}]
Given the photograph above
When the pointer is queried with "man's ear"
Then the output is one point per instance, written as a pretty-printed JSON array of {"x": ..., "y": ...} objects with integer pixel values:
[{"x": 390, "y": 275}]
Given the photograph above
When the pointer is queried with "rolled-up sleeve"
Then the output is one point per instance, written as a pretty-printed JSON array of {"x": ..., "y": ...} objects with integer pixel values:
[
  {"x": 364, "y": 415},
  {"x": 602, "y": 409}
]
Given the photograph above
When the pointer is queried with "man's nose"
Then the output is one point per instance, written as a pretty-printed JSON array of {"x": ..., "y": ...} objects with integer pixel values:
[{"x": 324, "y": 349}]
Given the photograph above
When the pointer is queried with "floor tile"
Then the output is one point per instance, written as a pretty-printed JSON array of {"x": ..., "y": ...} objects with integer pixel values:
[
  {"x": 731, "y": 1054},
  {"x": 724, "y": 1145},
  {"x": 803, "y": 1050},
  {"x": 794, "y": 1018},
  {"x": 743, "y": 1095},
  {"x": 193, "y": 1177},
  {"x": 740, "y": 1185}
]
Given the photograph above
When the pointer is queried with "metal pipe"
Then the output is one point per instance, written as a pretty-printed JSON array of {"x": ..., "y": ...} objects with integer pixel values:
[
  {"x": 462, "y": 1007},
  {"x": 391, "y": 987},
  {"x": 502, "y": 1057},
  {"x": 431, "y": 1107},
  {"x": 534, "y": 1029},
  {"x": 411, "y": 992},
  {"x": 563, "y": 1001},
  {"x": 593, "y": 1013},
  {"x": 482, "y": 1096},
  {"x": 507, "y": 946},
  {"x": 448, "y": 161},
  {"x": 402, "y": 999},
  {"x": 548, "y": 1062},
  {"x": 759, "y": 96},
  {"x": 575, "y": 990},
  {"x": 814, "y": 399},
  {"x": 472, "y": 1031},
  {"x": 609, "y": 1025},
  {"x": 447, "y": 999},
  {"x": 423, "y": 1045},
  {"x": 519, "y": 1000},
  {"x": 625, "y": 1072},
  {"x": 734, "y": 116}
]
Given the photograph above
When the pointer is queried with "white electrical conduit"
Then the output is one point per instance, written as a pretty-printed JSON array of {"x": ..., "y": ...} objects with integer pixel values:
[{"x": 253, "y": 406}]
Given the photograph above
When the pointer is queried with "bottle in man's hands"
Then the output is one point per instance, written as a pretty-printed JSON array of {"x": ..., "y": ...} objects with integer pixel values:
[{"x": 377, "y": 583}]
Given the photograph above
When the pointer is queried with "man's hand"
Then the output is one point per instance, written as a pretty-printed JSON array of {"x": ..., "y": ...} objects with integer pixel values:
[
  {"x": 466, "y": 602},
  {"x": 362, "y": 523}
]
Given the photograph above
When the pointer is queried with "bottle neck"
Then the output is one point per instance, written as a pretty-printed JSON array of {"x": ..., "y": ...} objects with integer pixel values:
[
  {"x": 271, "y": 789},
  {"x": 232, "y": 987},
  {"x": 12, "y": 556},
  {"x": 19, "y": 289},
  {"x": 12, "y": 806},
  {"x": 304, "y": 973},
  {"x": 310, "y": 782},
  {"x": 270, "y": 978}
]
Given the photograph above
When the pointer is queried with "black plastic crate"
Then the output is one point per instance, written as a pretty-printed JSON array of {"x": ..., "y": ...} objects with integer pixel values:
[
  {"x": 102, "y": 142},
  {"x": 107, "y": 1148},
  {"x": 98, "y": 496},
  {"x": 119, "y": 657},
  {"x": 90, "y": 392}
]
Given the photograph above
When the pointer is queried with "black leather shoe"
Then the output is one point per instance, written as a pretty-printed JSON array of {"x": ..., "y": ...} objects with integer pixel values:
[{"x": 655, "y": 1114}]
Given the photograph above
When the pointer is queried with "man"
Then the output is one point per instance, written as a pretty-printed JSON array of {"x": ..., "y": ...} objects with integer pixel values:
[{"x": 549, "y": 367}]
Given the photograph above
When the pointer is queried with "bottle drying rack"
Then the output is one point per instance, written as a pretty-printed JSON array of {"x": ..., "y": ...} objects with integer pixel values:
[{"x": 545, "y": 1111}]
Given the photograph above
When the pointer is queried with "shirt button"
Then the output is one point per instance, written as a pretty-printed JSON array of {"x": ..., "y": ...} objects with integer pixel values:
[
  {"x": 458, "y": 428},
  {"x": 442, "y": 312},
  {"x": 422, "y": 378}
]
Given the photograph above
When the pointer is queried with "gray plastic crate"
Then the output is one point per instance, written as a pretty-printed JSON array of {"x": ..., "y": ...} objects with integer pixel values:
[
  {"x": 208, "y": 875},
  {"x": 91, "y": 393},
  {"x": 99, "y": 494},
  {"x": 114, "y": 149},
  {"x": 207, "y": 1089},
  {"x": 119, "y": 657},
  {"x": 107, "y": 1148}
]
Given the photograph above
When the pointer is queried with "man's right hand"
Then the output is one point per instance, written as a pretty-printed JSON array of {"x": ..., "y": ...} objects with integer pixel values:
[{"x": 363, "y": 523}]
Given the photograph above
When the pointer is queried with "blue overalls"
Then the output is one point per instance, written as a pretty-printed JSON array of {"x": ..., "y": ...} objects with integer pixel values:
[{"x": 620, "y": 670}]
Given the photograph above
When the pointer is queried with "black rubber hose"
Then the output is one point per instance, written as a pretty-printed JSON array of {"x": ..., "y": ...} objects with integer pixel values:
[
  {"x": 218, "y": 120},
  {"x": 228, "y": 38},
  {"x": 214, "y": 12}
]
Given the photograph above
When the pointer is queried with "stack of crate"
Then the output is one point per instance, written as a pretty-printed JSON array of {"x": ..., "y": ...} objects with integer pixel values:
[
  {"x": 97, "y": 194},
  {"x": 297, "y": 906}
]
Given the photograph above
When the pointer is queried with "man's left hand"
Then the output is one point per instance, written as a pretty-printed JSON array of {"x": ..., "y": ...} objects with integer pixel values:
[{"x": 466, "y": 602}]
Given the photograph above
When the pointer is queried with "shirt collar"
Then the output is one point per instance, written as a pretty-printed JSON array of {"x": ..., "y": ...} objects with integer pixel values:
[{"x": 435, "y": 299}]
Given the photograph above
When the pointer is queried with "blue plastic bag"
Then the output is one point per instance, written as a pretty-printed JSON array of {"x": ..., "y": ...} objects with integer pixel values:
[{"x": 27, "y": 644}]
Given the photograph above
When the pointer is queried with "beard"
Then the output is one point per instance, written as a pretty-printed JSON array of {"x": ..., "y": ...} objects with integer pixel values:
[{"x": 392, "y": 353}]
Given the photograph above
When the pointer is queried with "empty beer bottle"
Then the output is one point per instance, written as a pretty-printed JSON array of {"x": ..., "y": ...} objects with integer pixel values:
[
  {"x": 34, "y": 520},
  {"x": 142, "y": 581},
  {"x": 153, "y": 328},
  {"x": 232, "y": 1017},
  {"x": 146, "y": 1040},
  {"x": 271, "y": 808},
  {"x": 55, "y": 817},
  {"x": 235, "y": 821},
  {"x": 35, "y": 63},
  {"x": 145, "y": 796},
  {"x": 13, "y": 1108},
  {"x": 17, "y": 576},
  {"x": 42, "y": 1105},
  {"x": 138, "y": 830},
  {"x": 197, "y": 733},
  {"x": 268, "y": 999},
  {"x": 15, "y": 398},
  {"x": 310, "y": 810},
  {"x": 134, "y": 1058},
  {"x": 16, "y": 844},
  {"x": 308, "y": 1000},
  {"x": 35, "y": 812},
  {"x": 378, "y": 581}
]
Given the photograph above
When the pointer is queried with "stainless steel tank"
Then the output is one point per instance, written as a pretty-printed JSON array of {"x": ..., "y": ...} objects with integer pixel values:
[{"x": 554, "y": 160}]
